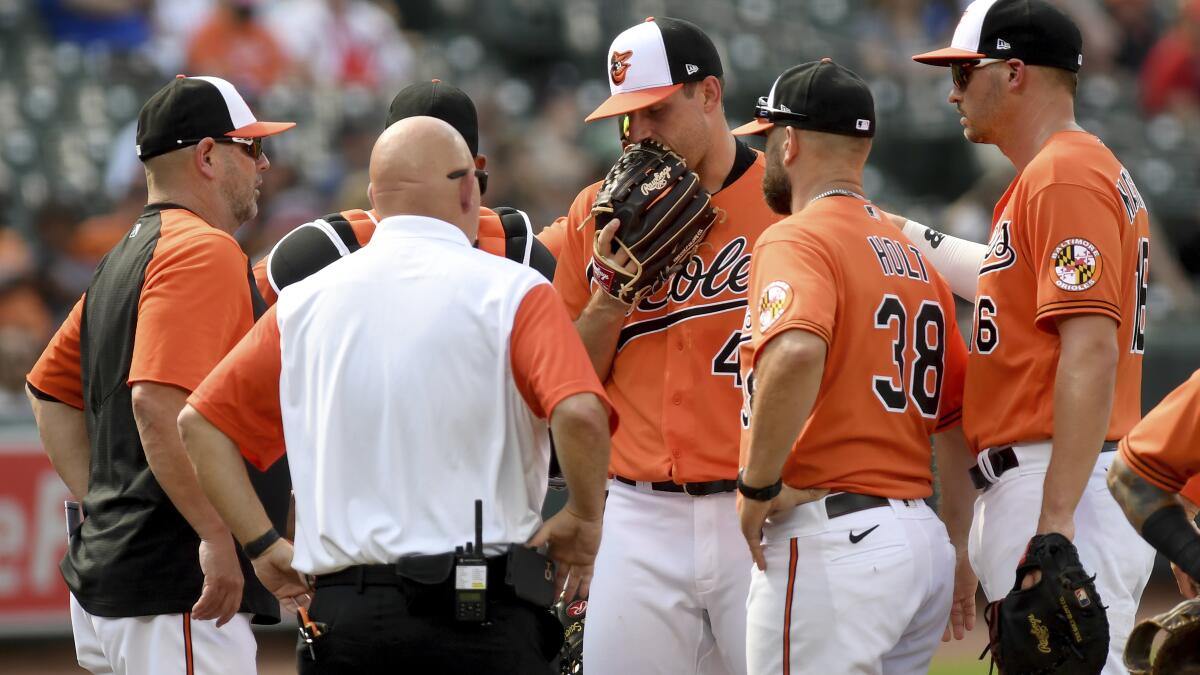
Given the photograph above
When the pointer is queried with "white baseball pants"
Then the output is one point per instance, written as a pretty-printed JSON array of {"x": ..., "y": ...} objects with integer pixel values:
[
  {"x": 829, "y": 604},
  {"x": 1006, "y": 516},
  {"x": 167, "y": 644},
  {"x": 669, "y": 591}
]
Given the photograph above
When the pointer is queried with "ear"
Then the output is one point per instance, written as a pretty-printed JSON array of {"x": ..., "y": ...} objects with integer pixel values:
[
  {"x": 1018, "y": 74},
  {"x": 791, "y": 145},
  {"x": 468, "y": 192},
  {"x": 204, "y": 158},
  {"x": 481, "y": 161},
  {"x": 712, "y": 93},
  {"x": 371, "y": 195}
]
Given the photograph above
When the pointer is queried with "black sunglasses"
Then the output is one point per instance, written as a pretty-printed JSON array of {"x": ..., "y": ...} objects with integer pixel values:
[
  {"x": 766, "y": 112},
  {"x": 252, "y": 146},
  {"x": 480, "y": 175},
  {"x": 960, "y": 71}
]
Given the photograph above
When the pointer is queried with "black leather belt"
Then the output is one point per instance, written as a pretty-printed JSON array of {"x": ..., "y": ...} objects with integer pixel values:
[
  {"x": 1004, "y": 459},
  {"x": 844, "y": 503},
  {"x": 712, "y": 487}
]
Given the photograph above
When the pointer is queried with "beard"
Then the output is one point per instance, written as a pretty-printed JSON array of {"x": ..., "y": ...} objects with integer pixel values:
[
  {"x": 238, "y": 193},
  {"x": 777, "y": 188}
]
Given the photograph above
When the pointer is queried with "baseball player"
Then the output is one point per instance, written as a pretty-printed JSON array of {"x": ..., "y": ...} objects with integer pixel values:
[
  {"x": 846, "y": 316},
  {"x": 669, "y": 591},
  {"x": 1154, "y": 479},
  {"x": 312, "y": 246},
  {"x": 162, "y": 309},
  {"x": 1054, "y": 374}
]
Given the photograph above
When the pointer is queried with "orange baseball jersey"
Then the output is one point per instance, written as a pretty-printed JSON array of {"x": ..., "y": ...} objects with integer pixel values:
[
  {"x": 343, "y": 233},
  {"x": 674, "y": 379},
  {"x": 1070, "y": 236},
  {"x": 196, "y": 273},
  {"x": 1164, "y": 448},
  {"x": 895, "y": 363}
]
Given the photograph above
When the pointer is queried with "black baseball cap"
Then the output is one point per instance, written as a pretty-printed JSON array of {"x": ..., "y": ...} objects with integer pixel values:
[
  {"x": 1034, "y": 31},
  {"x": 443, "y": 101},
  {"x": 818, "y": 96},
  {"x": 190, "y": 109},
  {"x": 652, "y": 60}
]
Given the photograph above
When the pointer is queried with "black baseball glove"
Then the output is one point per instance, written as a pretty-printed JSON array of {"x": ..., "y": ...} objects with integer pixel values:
[
  {"x": 1056, "y": 626},
  {"x": 572, "y": 615},
  {"x": 664, "y": 214},
  {"x": 1179, "y": 651}
]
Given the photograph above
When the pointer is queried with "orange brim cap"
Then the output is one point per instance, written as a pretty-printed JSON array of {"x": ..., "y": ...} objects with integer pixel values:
[
  {"x": 261, "y": 129},
  {"x": 619, "y": 104},
  {"x": 944, "y": 57},
  {"x": 754, "y": 127}
]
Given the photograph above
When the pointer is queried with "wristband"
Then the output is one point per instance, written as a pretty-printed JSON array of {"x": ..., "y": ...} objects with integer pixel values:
[
  {"x": 763, "y": 494},
  {"x": 1169, "y": 531},
  {"x": 260, "y": 545}
]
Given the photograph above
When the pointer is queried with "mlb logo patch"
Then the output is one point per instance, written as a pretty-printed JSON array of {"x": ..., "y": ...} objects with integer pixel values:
[
  {"x": 863, "y": 125},
  {"x": 1082, "y": 598}
]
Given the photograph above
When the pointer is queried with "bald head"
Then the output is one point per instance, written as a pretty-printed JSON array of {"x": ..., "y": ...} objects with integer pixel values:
[{"x": 409, "y": 168}]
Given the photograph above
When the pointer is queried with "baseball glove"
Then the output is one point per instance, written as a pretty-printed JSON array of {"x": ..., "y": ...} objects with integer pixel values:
[
  {"x": 664, "y": 215},
  {"x": 570, "y": 659},
  {"x": 1056, "y": 626},
  {"x": 1179, "y": 651}
]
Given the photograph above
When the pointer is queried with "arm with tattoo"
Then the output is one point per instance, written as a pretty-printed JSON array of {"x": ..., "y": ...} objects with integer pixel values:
[{"x": 1158, "y": 515}]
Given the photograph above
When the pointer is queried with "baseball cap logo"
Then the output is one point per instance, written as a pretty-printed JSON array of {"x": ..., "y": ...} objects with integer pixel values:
[
  {"x": 1002, "y": 44},
  {"x": 618, "y": 65}
]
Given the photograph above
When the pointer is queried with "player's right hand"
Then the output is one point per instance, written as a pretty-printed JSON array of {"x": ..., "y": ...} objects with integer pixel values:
[
  {"x": 962, "y": 604},
  {"x": 1188, "y": 587},
  {"x": 274, "y": 569},
  {"x": 222, "y": 593}
]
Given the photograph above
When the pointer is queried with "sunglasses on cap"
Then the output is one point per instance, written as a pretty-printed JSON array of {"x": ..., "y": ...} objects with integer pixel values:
[
  {"x": 252, "y": 146},
  {"x": 480, "y": 175},
  {"x": 765, "y": 112},
  {"x": 960, "y": 71}
]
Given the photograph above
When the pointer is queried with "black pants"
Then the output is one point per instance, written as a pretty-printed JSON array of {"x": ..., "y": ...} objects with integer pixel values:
[{"x": 407, "y": 627}]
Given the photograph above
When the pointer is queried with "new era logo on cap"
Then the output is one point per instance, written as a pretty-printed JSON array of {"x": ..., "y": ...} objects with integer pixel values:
[
  {"x": 1001, "y": 44},
  {"x": 1035, "y": 31},
  {"x": 650, "y": 61}
]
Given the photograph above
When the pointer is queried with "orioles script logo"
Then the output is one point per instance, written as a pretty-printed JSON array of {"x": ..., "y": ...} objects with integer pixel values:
[{"x": 618, "y": 64}]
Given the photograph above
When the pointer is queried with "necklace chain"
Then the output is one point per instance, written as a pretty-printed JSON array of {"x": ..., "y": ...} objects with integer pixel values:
[{"x": 838, "y": 192}]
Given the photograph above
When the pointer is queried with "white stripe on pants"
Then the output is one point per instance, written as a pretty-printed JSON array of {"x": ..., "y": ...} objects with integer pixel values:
[
  {"x": 145, "y": 645},
  {"x": 875, "y": 606},
  {"x": 669, "y": 592},
  {"x": 1006, "y": 517}
]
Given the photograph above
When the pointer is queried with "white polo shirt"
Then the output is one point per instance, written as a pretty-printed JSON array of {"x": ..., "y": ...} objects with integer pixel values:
[{"x": 413, "y": 377}]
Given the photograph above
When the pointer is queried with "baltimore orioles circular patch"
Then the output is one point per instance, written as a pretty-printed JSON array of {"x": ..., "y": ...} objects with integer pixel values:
[
  {"x": 1076, "y": 265},
  {"x": 774, "y": 300}
]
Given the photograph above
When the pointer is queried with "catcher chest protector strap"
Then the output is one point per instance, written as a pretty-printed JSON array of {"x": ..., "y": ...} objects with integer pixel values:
[
  {"x": 309, "y": 248},
  {"x": 520, "y": 244}
]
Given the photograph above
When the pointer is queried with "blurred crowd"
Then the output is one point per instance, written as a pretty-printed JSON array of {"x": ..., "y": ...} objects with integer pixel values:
[{"x": 73, "y": 74}]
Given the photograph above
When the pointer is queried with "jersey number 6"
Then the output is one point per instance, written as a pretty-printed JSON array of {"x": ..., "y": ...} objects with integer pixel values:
[{"x": 912, "y": 378}]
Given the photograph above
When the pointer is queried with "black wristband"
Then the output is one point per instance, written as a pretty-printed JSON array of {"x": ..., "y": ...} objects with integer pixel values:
[
  {"x": 764, "y": 494},
  {"x": 260, "y": 545},
  {"x": 1170, "y": 532}
]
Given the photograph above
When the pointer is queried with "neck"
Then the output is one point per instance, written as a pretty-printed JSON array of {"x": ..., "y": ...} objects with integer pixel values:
[
  {"x": 717, "y": 164},
  {"x": 208, "y": 209},
  {"x": 805, "y": 189},
  {"x": 1036, "y": 127}
]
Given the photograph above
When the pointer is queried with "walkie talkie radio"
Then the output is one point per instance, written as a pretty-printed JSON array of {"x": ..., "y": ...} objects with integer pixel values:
[{"x": 470, "y": 576}]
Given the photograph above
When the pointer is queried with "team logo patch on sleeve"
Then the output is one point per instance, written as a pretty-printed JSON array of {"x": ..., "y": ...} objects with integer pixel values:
[
  {"x": 1076, "y": 265},
  {"x": 774, "y": 300}
]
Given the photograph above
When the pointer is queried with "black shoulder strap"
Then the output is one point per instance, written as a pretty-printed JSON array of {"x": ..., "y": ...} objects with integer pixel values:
[
  {"x": 519, "y": 243},
  {"x": 309, "y": 248},
  {"x": 344, "y": 230}
]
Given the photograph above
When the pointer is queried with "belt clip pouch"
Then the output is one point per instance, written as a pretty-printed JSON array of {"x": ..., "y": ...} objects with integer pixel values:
[{"x": 531, "y": 576}]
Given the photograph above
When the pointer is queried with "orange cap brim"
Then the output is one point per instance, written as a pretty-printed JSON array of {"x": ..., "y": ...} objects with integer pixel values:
[
  {"x": 619, "y": 104},
  {"x": 754, "y": 127},
  {"x": 944, "y": 57},
  {"x": 261, "y": 129}
]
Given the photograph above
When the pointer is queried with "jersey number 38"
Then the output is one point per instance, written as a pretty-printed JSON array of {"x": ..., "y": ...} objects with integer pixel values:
[{"x": 918, "y": 374}]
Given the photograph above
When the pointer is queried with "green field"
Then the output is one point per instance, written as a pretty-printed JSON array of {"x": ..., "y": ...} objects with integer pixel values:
[{"x": 967, "y": 666}]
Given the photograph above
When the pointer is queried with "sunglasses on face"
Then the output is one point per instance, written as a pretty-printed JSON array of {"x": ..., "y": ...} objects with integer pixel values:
[
  {"x": 765, "y": 112},
  {"x": 960, "y": 72},
  {"x": 252, "y": 146},
  {"x": 480, "y": 175}
]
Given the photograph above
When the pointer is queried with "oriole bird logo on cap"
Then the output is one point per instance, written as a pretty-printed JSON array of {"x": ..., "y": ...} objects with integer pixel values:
[{"x": 618, "y": 64}]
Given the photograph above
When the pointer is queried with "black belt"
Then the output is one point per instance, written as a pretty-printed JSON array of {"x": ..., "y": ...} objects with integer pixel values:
[
  {"x": 712, "y": 487},
  {"x": 844, "y": 503},
  {"x": 1004, "y": 459},
  {"x": 427, "y": 570}
]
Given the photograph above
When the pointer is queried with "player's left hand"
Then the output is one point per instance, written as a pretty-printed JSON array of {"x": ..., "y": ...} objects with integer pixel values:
[
  {"x": 572, "y": 543},
  {"x": 962, "y": 604},
  {"x": 221, "y": 595},
  {"x": 1188, "y": 587},
  {"x": 753, "y": 514},
  {"x": 274, "y": 570}
]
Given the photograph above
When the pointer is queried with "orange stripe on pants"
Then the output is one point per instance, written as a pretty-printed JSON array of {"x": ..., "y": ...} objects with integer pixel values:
[
  {"x": 187, "y": 642},
  {"x": 787, "y": 611}
]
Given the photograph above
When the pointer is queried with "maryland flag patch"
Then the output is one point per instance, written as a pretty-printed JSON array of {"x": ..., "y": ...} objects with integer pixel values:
[
  {"x": 772, "y": 303},
  {"x": 1076, "y": 265}
]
